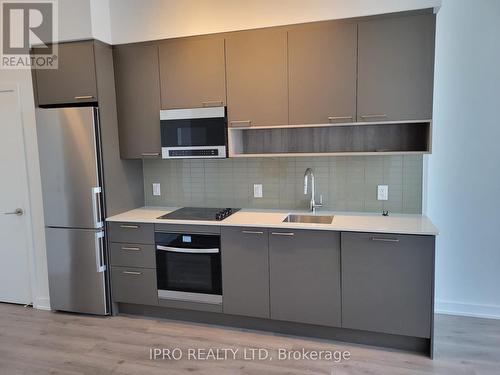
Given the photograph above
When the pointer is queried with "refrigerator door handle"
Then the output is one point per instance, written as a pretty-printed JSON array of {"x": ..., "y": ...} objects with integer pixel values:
[
  {"x": 96, "y": 206},
  {"x": 99, "y": 252}
]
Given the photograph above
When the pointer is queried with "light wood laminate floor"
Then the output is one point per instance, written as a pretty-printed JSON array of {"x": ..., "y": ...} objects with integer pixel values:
[{"x": 42, "y": 342}]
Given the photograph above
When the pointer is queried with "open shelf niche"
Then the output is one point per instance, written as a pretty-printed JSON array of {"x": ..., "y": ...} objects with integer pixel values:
[{"x": 331, "y": 139}]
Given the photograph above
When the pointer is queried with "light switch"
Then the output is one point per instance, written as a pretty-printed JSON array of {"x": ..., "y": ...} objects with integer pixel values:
[
  {"x": 257, "y": 190},
  {"x": 383, "y": 192},
  {"x": 156, "y": 189}
]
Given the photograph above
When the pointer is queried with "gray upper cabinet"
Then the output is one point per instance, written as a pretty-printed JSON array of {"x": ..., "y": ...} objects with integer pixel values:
[
  {"x": 192, "y": 72},
  {"x": 257, "y": 89},
  {"x": 387, "y": 283},
  {"x": 245, "y": 271},
  {"x": 322, "y": 72},
  {"x": 395, "y": 68},
  {"x": 305, "y": 276},
  {"x": 138, "y": 100},
  {"x": 74, "y": 81}
]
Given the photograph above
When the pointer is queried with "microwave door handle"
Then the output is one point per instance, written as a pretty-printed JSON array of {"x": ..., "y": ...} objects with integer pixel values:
[{"x": 187, "y": 251}]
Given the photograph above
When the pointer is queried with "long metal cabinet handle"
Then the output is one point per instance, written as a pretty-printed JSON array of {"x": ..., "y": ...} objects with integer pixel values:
[
  {"x": 252, "y": 232},
  {"x": 96, "y": 206},
  {"x": 83, "y": 97},
  {"x": 381, "y": 115},
  {"x": 150, "y": 154},
  {"x": 132, "y": 273},
  {"x": 283, "y": 233},
  {"x": 335, "y": 118},
  {"x": 129, "y": 226},
  {"x": 212, "y": 103},
  {"x": 99, "y": 252},
  {"x": 17, "y": 211},
  {"x": 127, "y": 248},
  {"x": 187, "y": 251},
  {"x": 242, "y": 123},
  {"x": 382, "y": 239}
]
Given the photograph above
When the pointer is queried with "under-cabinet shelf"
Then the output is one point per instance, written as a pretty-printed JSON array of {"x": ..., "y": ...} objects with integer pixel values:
[{"x": 389, "y": 138}]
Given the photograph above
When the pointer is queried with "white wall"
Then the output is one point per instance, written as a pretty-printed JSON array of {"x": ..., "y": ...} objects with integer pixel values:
[
  {"x": 464, "y": 169},
  {"x": 133, "y": 21}
]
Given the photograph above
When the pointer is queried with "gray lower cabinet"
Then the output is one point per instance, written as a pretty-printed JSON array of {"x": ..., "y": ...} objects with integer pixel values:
[
  {"x": 138, "y": 100},
  {"x": 305, "y": 276},
  {"x": 387, "y": 283},
  {"x": 134, "y": 285},
  {"x": 245, "y": 271},
  {"x": 74, "y": 80},
  {"x": 395, "y": 68}
]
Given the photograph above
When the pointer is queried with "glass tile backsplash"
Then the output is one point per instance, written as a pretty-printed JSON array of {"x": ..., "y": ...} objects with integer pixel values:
[{"x": 347, "y": 183}]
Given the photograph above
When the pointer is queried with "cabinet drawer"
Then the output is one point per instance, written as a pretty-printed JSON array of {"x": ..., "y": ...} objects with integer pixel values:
[
  {"x": 131, "y": 232},
  {"x": 132, "y": 255},
  {"x": 134, "y": 285}
]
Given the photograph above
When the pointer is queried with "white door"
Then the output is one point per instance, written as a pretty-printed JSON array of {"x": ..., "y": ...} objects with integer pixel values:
[{"x": 14, "y": 200}]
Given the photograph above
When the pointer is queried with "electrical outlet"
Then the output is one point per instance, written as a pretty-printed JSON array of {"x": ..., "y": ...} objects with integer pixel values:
[
  {"x": 257, "y": 191},
  {"x": 382, "y": 192},
  {"x": 156, "y": 189}
]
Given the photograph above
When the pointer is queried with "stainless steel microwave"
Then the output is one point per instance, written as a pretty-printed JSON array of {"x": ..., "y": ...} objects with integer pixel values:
[{"x": 193, "y": 133}]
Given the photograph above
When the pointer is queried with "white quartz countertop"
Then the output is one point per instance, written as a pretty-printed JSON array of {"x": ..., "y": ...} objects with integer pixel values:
[{"x": 342, "y": 221}]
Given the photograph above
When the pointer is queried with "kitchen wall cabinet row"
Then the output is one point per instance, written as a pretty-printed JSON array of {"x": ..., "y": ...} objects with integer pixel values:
[{"x": 376, "y": 69}]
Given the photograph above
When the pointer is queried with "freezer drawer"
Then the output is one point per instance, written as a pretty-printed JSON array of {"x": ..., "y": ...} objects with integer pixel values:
[
  {"x": 76, "y": 271},
  {"x": 134, "y": 285}
]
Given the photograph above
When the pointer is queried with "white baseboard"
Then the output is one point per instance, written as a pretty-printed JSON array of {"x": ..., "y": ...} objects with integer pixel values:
[
  {"x": 467, "y": 309},
  {"x": 42, "y": 304}
]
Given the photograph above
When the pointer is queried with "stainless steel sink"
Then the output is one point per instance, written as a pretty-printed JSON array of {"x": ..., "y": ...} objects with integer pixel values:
[{"x": 312, "y": 219}]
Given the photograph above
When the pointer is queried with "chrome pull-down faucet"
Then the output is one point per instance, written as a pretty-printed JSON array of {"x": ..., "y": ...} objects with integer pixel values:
[{"x": 312, "y": 202}]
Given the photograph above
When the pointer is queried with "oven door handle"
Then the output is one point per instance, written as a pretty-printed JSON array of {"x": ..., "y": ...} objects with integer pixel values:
[{"x": 189, "y": 251}]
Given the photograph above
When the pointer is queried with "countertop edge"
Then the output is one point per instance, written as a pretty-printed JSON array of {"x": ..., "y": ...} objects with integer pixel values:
[{"x": 137, "y": 219}]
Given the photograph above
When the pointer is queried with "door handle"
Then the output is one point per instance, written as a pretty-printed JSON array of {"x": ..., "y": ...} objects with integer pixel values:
[
  {"x": 252, "y": 232},
  {"x": 84, "y": 97},
  {"x": 96, "y": 206},
  {"x": 241, "y": 124},
  {"x": 150, "y": 154},
  {"x": 336, "y": 118},
  {"x": 382, "y": 115},
  {"x": 187, "y": 250},
  {"x": 283, "y": 233},
  {"x": 212, "y": 103},
  {"x": 99, "y": 252},
  {"x": 384, "y": 239},
  {"x": 17, "y": 211}
]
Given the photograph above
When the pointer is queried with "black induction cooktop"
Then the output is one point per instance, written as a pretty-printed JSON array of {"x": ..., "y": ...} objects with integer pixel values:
[{"x": 200, "y": 213}]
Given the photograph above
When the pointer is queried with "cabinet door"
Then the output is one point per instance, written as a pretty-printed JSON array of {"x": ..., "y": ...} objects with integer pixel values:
[
  {"x": 74, "y": 81},
  {"x": 257, "y": 90},
  {"x": 192, "y": 73},
  {"x": 322, "y": 72},
  {"x": 245, "y": 271},
  {"x": 138, "y": 100},
  {"x": 305, "y": 276},
  {"x": 395, "y": 65},
  {"x": 387, "y": 283}
]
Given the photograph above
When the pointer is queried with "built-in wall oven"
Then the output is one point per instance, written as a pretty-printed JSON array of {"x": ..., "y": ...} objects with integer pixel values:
[
  {"x": 188, "y": 267},
  {"x": 193, "y": 133}
]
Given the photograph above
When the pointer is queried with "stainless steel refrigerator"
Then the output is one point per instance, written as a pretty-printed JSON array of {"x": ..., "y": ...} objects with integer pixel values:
[{"x": 72, "y": 184}]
